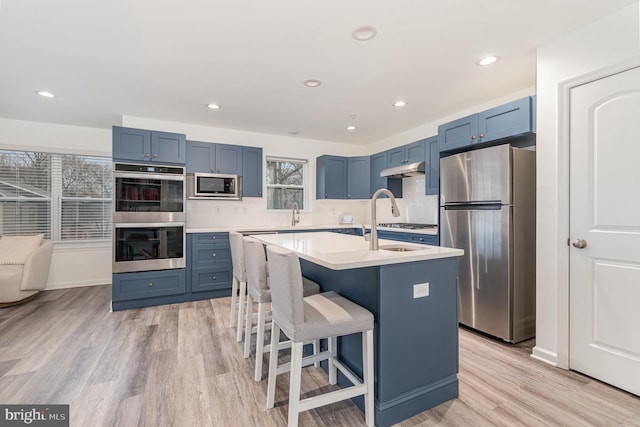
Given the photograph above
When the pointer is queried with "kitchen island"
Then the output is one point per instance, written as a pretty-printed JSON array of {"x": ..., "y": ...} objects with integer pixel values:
[{"x": 412, "y": 292}]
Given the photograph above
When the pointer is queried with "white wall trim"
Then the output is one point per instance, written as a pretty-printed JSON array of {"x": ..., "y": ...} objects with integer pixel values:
[
  {"x": 78, "y": 284},
  {"x": 544, "y": 355},
  {"x": 564, "y": 157}
]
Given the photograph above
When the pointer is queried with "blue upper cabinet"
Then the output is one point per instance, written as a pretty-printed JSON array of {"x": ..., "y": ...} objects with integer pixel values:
[
  {"x": 358, "y": 181},
  {"x": 229, "y": 159},
  {"x": 458, "y": 133},
  {"x": 331, "y": 177},
  {"x": 207, "y": 157},
  {"x": 378, "y": 162},
  {"x": 506, "y": 120},
  {"x": 201, "y": 157},
  {"x": 432, "y": 167},
  {"x": 142, "y": 145},
  {"x": 252, "y": 172},
  {"x": 511, "y": 119},
  {"x": 409, "y": 153}
]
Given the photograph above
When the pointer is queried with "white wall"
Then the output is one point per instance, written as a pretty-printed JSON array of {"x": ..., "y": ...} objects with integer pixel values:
[{"x": 611, "y": 40}]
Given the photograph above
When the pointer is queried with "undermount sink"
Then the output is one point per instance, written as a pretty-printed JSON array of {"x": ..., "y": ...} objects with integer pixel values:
[{"x": 399, "y": 248}]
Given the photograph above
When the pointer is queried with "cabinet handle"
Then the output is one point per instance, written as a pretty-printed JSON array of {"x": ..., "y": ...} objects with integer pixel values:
[
  {"x": 147, "y": 154},
  {"x": 259, "y": 193},
  {"x": 481, "y": 135},
  {"x": 150, "y": 285},
  {"x": 213, "y": 254},
  {"x": 155, "y": 156},
  {"x": 421, "y": 239},
  {"x": 213, "y": 278},
  {"x": 473, "y": 137},
  {"x": 213, "y": 237},
  {"x": 326, "y": 195}
]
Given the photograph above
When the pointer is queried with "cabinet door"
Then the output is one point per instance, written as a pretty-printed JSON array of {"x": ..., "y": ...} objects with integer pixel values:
[
  {"x": 131, "y": 144},
  {"x": 513, "y": 118},
  {"x": 396, "y": 156},
  {"x": 331, "y": 177},
  {"x": 147, "y": 284},
  {"x": 228, "y": 159},
  {"x": 251, "y": 172},
  {"x": 414, "y": 152},
  {"x": 359, "y": 178},
  {"x": 432, "y": 168},
  {"x": 458, "y": 133},
  {"x": 200, "y": 157},
  {"x": 168, "y": 147},
  {"x": 377, "y": 163}
]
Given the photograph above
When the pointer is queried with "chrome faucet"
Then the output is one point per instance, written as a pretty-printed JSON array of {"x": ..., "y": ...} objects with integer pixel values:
[
  {"x": 373, "y": 237},
  {"x": 295, "y": 211}
]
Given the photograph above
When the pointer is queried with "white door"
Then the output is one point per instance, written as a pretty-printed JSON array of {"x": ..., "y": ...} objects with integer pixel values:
[{"x": 605, "y": 216}]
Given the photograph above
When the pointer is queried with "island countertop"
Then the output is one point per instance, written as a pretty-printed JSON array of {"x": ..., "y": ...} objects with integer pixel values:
[{"x": 342, "y": 252}]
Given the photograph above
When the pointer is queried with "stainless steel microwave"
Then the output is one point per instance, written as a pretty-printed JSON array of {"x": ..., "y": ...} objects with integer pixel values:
[{"x": 213, "y": 186}]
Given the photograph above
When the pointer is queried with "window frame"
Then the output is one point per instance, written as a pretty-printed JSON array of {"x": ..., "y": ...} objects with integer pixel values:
[{"x": 304, "y": 187}]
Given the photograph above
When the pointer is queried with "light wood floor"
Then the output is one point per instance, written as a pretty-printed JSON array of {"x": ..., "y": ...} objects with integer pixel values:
[{"x": 179, "y": 365}]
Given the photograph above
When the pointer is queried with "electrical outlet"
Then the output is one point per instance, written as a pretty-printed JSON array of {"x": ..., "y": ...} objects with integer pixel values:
[{"x": 420, "y": 290}]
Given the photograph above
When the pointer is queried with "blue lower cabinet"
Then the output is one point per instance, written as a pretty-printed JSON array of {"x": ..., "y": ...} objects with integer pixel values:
[
  {"x": 211, "y": 279},
  {"x": 209, "y": 263},
  {"x": 146, "y": 288},
  {"x": 423, "y": 239}
]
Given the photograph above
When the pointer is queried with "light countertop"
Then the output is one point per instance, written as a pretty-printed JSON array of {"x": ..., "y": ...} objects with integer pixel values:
[{"x": 342, "y": 252}]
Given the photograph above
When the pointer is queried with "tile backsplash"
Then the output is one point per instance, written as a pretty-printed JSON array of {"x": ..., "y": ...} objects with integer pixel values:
[{"x": 414, "y": 207}]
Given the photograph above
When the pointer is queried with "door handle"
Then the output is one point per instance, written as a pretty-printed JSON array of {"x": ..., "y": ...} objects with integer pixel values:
[{"x": 580, "y": 243}]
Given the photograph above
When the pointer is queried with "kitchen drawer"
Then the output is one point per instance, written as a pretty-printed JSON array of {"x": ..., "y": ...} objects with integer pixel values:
[
  {"x": 392, "y": 235},
  {"x": 423, "y": 239},
  {"x": 148, "y": 284},
  {"x": 211, "y": 255},
  {"x": 210, "y": 279},
  {"x": 210, "y": 238}
]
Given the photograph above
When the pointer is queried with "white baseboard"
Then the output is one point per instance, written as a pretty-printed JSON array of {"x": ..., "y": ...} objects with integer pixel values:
[
  {"x": 545, "y": 356},
  {"x": 78, "y": 284}
]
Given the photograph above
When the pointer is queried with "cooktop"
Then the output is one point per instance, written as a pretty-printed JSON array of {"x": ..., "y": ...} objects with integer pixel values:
[{"x": 408, "y": 225}]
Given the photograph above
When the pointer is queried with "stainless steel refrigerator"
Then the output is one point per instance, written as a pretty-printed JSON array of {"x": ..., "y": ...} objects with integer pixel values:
[{"x": 488, "y": 209}]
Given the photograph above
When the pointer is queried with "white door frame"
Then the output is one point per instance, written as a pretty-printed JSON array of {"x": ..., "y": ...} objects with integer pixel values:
[{"x": 564, "y": 159}]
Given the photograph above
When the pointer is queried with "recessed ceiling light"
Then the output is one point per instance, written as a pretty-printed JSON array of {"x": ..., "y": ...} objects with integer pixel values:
[
  {"x": 312, "y": 83},
  {"x": 487, "y": 60},
  {"x": 45, "y": 93},
  {"x": 213, "y": 106},
  {"x": 294, "y": 132},
  {"x": 364, "y": 33},
  {"x": 351, "y": 127},
  {"x": 400, "y": 103}
]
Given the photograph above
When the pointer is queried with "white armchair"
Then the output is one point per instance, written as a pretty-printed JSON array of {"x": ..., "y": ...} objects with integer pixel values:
[{"x": 23, "y": 271}]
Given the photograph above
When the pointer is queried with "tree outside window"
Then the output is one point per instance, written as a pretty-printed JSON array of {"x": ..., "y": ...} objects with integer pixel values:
[{"x": 285, "y": 183}]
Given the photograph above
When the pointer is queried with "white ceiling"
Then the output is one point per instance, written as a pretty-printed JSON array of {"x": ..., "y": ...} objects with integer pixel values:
[{"x": 166, "y": 59}]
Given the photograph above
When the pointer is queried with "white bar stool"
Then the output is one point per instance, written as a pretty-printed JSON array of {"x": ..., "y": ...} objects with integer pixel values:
[
  {"x": 325, "y": 315},
  {"x": 258, "y": 291},
  {"x": 238, "y": 284}
]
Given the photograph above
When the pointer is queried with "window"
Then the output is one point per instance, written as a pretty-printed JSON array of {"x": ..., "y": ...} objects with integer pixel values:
[
  {"x": 286, "y": 180},
  {"x": 65, "y": 196}
]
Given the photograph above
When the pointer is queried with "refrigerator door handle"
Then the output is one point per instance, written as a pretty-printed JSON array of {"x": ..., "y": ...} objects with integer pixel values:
[{"x": 473, "y": 207}]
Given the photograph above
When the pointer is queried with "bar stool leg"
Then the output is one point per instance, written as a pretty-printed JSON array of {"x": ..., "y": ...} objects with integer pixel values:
[
  {"x": 295, "y": 377},
  {"x": 248, "y": 326},
  {"x": 262, "y": 314},
  {"x": 333, "y": 350},
  {"x": 241, "y": 297},
  {"x": 273, "y": 364},
  {"x": 234, "y": 300},
  {"x": 367, "y": 375}
]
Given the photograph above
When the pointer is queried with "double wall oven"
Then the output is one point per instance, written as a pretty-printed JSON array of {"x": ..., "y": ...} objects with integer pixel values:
[{"x": 148, "y": 217}]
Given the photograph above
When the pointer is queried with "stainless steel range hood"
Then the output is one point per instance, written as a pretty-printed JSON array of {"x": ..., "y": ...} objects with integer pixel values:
[{"x": 403, "y": 171}]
